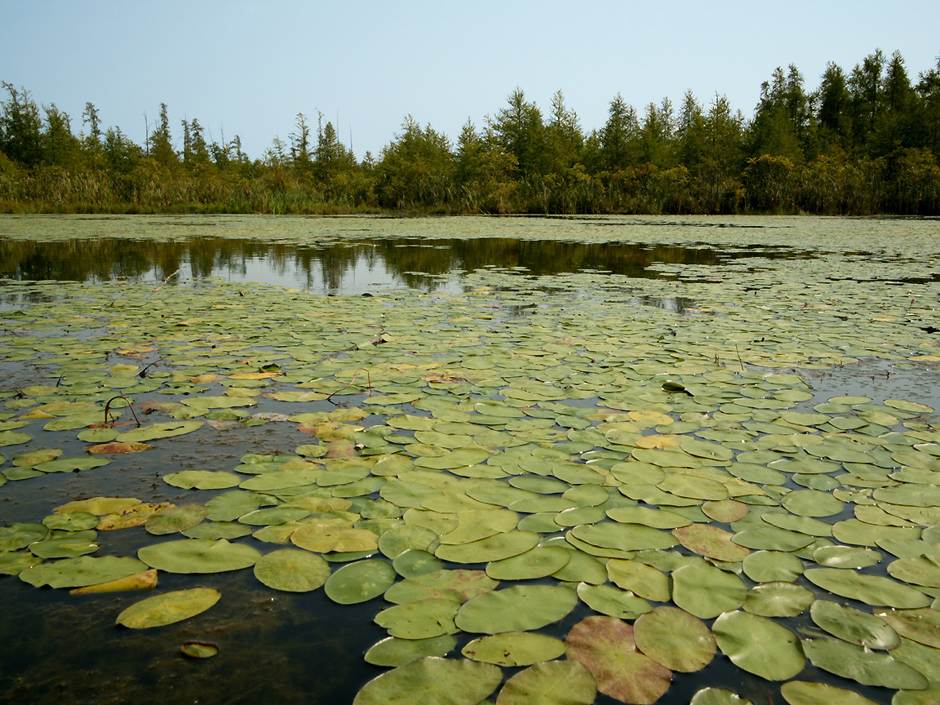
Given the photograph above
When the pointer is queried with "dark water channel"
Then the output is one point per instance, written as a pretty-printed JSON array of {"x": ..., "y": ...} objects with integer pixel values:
[{"x": 349, "y": 267}]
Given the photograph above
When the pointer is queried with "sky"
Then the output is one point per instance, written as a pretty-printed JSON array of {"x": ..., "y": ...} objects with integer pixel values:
[{"x": 248, "y": 67}]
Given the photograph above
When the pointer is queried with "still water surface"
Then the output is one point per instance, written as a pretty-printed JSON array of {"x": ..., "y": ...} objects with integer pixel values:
[{"x": 276, "y": 648}]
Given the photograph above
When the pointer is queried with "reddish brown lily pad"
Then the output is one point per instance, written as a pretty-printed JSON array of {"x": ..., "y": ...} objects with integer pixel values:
[
  {"x": 605, "y": 646},
  {"x": 118, "y": 448},
  {"x": 711, "y": 542}
]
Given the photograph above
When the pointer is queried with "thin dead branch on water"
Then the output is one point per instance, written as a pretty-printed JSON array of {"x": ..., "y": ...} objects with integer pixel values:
[{"x": 109, "y": 419}]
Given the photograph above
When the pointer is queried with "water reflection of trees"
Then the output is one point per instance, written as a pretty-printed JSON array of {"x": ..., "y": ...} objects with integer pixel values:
[{"x": 105, "y": 259}]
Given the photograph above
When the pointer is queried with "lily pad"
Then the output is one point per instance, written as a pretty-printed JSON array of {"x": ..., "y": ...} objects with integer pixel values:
[
  {"x": 169, "y": 429},
  {"x": 861, "y": 665},
  {"x": 606, "y": 599},
  {"x": 168, "y": 608},
  {"x": 80, "y": 572},
  {"x": 421, "y": 619},
  {"x": 199, "y": 649},
  {"x": 717, "y": 696},
  {"x": 291, "y": 570},
  {"x": 758, "y": 645},
  {"x": 360, "y": 582},
  {"x": 675, "y": 639},
  {"x": 640, "y": 579},
  {"x": 397, "y": 652},
  {"x": 514, "y": 649},
  {"x": 459, "y": 584},
  {"x": 550, "y": 683},
  {"x": 853, "y": 625},
  {"x": 432, "y": 681},
  {"x": 706, "y": 591},
  {"x": 323, "y": 539},
  {"x": 922, "y": 626},
  {"x": 711, "y": 542},
  {"x": 518, "y": 608},
  {"x": 202, "y": 479},
  {"x": 778, "y": 600},
  {"x": 21, "y": 535},
  {"x": 808, "y": 693},
  {"x": 198, "y": 556},
  {"x": 492, "y": 548},
  {"x": 772, "y": 566},
  {"x": 870, "y": 589},
  {"x": 538, "y": 562},
  {"x": 605, "y": 646}
]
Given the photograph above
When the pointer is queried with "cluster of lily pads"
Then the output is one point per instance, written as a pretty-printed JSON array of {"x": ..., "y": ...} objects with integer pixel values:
[{"x": 491, "y": 464}]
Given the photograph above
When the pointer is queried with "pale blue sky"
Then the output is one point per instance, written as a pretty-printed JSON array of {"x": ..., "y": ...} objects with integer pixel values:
[{"x": 249, "y": 67}]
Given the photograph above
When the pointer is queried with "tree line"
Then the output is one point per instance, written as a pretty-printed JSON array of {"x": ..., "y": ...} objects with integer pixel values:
[{"x": 865, "y": 141}]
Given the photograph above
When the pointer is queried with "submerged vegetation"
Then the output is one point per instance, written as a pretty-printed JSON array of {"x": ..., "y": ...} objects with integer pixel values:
[
  {"x": 530, "y": 489},
  {"x": 865, "y": 141}
]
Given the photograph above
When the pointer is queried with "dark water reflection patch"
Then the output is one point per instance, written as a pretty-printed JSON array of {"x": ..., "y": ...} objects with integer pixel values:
[{"x": 352, "y": 267}]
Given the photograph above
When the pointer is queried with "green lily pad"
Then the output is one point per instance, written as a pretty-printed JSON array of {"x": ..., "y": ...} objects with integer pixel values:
[
  {"x": 398, "y": 652},
  {"x": 812, "y": 503},
  {"x": 323, "y": 539},
  {"x": 778, "y": 600},
  {"x": 917, "y": 570},
  {"x": 413, "y": 562},
  {"x": 848, "y": 557},
  {"x": 35, "y": 457},
  {"x": 772, "y": 566},
  {"x": 290, "y": 570},
  {"x": 492, "y": 548},
  {"x": 581, "y": 568},
  {"x": 641, "y": 579},
  {"x": 514, "y": 649},
  {"x": 861, "y": 665},
  {"x": 198, "y": 556},
  {"x": 519, "y": 608},
  {"x": 172, "y": 520},
  {"x": 922, "y": 626},
  {"x": 199, "y": 649},
  {"x": 550, "y": 683},
  {"x": 623, "y": 537},
  {"x": 15, "y": 562},
  {"x": 706, "y": 591},
  {"x": 871, "y": 589},
  {"x": 202, "y": 479},
  {"x": 853, "y": 625},
  {"x": 459, "y": 584},
  {"x": 675, "y": 639},
  {"x": 421, "y": 619},
  {"x": 770, "y": 538},
  {"x": 717, "y": 696},
  {"x": 538, "y": 562},
  {"x": 72, "y": 545},
  {"x": 21, "y": 535},
  {"x": 432, "y": 681},
  {"x": 653, "y": 518},
  {"x": 606, "y": 599},
  {"x": 13, "y": 438},
  {"x": 71, "y": 521},
  {"x": 758, "y": 645},
  {"x": 360, "y": 582},
  {"x": 168, "y": 608},
  {"x": 169, "y": 429},
  {"x": 807, "y": 693},
  {"x": 81, "y": 572},
  {"x": 71, "y": 464},
  {"x": 605, "y": 646},
  {"x": 99, "y": 506}
]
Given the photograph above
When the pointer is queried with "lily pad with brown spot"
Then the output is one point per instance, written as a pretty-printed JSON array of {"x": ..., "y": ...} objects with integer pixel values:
[{"x": 605, "y": 646}]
